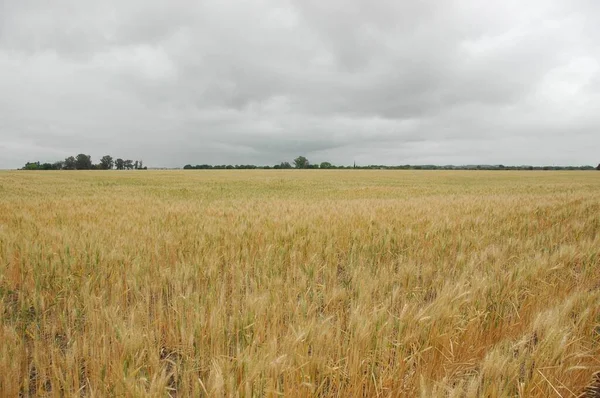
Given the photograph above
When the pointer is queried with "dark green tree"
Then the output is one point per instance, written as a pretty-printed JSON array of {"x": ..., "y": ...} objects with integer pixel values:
[
  {"x": 70, "y": 163},
  {"x": 128, "y": 164},
  {"x": 107, "y": 162},
  {"x": 326, "y": 165},
  {"x": 83, "y": 162},
  {"x": 120, "y": 164},
  {"x": 301, "y": 162}
]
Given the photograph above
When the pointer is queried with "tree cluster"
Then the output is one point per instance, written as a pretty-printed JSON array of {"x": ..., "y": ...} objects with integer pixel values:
[
  {"x": 299, "y": 163},
  {"x": 84, "y": 162}
]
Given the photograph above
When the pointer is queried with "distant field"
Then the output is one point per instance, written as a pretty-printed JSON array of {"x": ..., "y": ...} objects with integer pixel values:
[{"x": 299, "y": 283}]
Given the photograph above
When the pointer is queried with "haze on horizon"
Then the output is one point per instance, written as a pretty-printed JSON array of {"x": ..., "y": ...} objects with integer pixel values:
[{"x": 263, "y": 81}]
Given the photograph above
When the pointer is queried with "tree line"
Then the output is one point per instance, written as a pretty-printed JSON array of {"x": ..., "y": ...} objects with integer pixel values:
[
  {"x": 302, "y": 162},
  {"x": 84, "y": 162},
  {"x": 299, "y": 163},
  {"x": 107, "y": 162}
]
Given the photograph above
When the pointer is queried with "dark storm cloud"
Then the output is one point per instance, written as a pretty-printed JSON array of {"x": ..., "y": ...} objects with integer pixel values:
[{"x": 263, "y": 81}]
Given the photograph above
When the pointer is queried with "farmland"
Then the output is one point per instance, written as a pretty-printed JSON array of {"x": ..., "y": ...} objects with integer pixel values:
[{"x": 299, "y": 282}]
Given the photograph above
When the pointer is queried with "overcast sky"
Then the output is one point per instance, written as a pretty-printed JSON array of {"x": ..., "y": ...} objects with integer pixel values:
[{"x": 262, "y": 81}]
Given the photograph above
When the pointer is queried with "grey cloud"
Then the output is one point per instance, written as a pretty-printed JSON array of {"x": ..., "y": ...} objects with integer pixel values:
[{"x": 263, "y": 81}]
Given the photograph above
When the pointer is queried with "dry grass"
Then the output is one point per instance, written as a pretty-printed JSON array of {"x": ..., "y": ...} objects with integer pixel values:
[{"x": 327, "y": 283}]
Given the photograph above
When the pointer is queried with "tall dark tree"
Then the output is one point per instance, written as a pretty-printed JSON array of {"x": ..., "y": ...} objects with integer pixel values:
[
  {"x": 128, "y": 164},
  {"x": 301, "y": 162},
  {"x": 326, "y": 165},
  {"x": 598, "y": 167},
  {"x": 107, "y": 163},
  {"x": 83, "y": 162},
  {"x": 120, "y": 164},
  {"x": 70, "y": 163},
  {"x": 135, "y": 164}
]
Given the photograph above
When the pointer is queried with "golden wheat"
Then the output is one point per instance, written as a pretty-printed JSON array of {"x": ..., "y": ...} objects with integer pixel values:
[{"x": 299, "y": 283}]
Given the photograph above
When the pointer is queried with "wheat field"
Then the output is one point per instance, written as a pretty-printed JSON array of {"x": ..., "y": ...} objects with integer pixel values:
[{"x": 299, "y": 283}]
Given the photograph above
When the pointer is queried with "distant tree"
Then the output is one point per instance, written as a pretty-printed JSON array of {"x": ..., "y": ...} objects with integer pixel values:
[
  {"x": 598, "y": 167},
  {"x": 325, "y": 165},
  {"x": 301, "y": 162},
  {"x": 135, "y": 165},
  {"x": 285, "y": 165},
  {"x": 106, "y": 163},
  {"x": 83, "y": 162},
  {"x": 70, "y": 163},
  {"x": 32, "y": 166}
]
